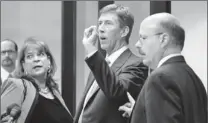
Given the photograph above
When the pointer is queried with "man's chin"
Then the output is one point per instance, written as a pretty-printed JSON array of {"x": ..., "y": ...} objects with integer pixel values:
[
  {"x": 104, "y": 47},
  {"x": 8, "y": 64},
  {"x": 146, "y": 62}
]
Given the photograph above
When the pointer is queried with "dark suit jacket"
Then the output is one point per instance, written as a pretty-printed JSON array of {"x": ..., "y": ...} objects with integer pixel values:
[
  {"x": 173, "y": 93},
  {"x": 126, "y": 74}
]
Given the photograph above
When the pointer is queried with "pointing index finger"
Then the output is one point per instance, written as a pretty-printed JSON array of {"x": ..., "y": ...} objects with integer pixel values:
[{"x": 131, "y": 99}]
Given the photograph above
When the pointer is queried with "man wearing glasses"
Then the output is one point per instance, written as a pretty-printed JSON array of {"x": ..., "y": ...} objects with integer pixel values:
[
  {"x": 173, "y": 93},
  {"x": 9, "y": 51}
]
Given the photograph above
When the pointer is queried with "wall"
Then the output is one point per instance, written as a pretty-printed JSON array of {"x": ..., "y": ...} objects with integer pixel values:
[
  {"x": 87, "y": 14},
  {"x": 193, "y": 17},
  {"x": 140, "y": 10},
  {"x": 22, "y": 19}
]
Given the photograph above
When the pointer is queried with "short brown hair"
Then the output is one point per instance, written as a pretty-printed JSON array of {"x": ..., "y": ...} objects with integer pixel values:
[{"x": 126, "y": 18}]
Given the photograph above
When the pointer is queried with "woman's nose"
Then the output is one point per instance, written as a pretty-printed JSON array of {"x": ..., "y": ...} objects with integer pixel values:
[{"x": 36, "y": 58}]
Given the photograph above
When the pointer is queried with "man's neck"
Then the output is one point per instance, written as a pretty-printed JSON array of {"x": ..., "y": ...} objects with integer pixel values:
[
  {"x": 171, "y": 51},
  {"x": 167, "y": 52},
  {"x": 9, "y": 69},
  {"x": 117, "y": 47}
]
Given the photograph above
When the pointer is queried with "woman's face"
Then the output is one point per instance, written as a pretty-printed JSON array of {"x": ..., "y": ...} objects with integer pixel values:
[{"x": 36, "y": 62}]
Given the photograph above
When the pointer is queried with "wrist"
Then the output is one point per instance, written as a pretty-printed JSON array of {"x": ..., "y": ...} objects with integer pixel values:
[{"x": 90, "y": 48}]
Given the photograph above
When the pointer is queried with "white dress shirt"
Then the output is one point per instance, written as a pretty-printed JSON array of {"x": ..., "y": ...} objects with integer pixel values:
[
  {"x": 163, "y": 60},
  {"x": 4, "y": 74},
  {"x": 111, "y": 59}
]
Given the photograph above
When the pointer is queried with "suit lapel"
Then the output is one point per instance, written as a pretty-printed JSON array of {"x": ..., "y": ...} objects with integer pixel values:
[
  {"x": 121, "y": 60},
  {"x": 90, "y": 81},
  {"x": 116, "y": 66}
]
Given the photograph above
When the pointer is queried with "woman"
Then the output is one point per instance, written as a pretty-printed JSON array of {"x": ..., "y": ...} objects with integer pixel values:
[{"x": 35, "y": 91}]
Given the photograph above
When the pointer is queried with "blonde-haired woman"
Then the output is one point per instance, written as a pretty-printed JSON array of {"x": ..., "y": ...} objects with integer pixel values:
[{"x": 34, "y": 88}]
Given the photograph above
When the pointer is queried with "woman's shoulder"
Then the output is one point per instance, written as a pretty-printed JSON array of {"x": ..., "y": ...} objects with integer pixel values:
[{"x": 14, "y": 83}]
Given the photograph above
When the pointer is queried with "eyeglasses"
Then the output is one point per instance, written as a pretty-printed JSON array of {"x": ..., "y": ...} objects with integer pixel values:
[
  {"x": 9, "y": 52},
  {"x": 143, "y": 38}
]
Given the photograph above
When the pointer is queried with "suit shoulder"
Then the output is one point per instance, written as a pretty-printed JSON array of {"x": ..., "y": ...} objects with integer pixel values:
[
  {"x": 133, "y": 59},
  {"x": 165, "y": 76},
  {"x": 13, "y": 82}
]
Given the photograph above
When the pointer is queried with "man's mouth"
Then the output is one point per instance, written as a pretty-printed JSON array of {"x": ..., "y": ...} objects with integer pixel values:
[
  {"x": 102, "y": 38},
  {"x": 7, "y": 60}
]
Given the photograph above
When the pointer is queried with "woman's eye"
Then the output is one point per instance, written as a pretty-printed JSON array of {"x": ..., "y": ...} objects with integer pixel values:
[
  {"x": 42, "y": 54},
  {"x": 29, "y": 56}
]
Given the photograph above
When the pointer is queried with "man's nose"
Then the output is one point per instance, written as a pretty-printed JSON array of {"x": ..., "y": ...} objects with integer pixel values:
[
  {"x": 138, "y": 44},
  {"x": 6, "y": 54},
  {"x": 101, "y": 28}
]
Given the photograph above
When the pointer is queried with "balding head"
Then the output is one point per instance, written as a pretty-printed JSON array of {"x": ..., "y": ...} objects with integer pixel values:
[
  {"x": 159, "y": 35},
  {"x": 167, "y": 23}
]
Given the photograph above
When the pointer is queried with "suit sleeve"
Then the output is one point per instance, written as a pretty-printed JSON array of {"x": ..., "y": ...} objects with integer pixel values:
[
  {"x": 11, "y": 92},
  {"x": 115, "y": 86},
  {"x": 162, "y": 100}
]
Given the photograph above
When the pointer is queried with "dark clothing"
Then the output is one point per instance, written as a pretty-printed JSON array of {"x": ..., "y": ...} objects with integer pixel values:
[
  {"x": 173, "y": 93},
  {"x": 50, "y": 111},
  {"x": 126, "y": 74},
  {"x": 23, "y": 93}
]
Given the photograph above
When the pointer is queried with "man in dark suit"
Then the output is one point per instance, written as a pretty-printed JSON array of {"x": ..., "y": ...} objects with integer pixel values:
[
  {"x": 9, "y": 52},
  {"x": 173, "y": 93},
  {"x": 110, "y": 79}
]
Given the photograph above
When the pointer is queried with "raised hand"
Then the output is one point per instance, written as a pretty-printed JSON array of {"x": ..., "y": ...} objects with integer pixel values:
[
  {"x": 127, "y": 107},
  {"x": 90, "y": 39}
]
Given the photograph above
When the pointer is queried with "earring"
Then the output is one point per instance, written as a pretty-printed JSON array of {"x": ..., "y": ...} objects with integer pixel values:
[{"x": 49, "y": 69}]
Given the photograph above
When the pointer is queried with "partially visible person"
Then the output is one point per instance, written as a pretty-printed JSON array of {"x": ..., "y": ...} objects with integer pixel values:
[
  {"x": 173, "y": 93},
  {"x": 35, "y": 90},
  {"x": 111, "y": 76},
  {"x": 9, "y": 52}
]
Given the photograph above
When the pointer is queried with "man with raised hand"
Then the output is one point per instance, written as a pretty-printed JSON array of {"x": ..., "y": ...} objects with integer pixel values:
[{"x": 111, "y": 76}]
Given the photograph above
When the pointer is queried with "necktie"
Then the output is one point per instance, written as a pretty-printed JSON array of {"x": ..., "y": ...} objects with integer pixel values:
[
  {"x": 149, "y": 71},
  {"x": 10, "y": 76}
]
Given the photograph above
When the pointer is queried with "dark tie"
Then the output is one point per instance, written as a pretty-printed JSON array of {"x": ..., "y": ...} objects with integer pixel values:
[
  {"x": 149, "y": 71},
  {"x": 10, "y": 76}
]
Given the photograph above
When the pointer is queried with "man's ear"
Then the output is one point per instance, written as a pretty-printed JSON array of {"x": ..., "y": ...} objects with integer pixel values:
[
  {"x": 164, "y": 40},
  {"x": 23, "y": 64},
  {"x": 125, "y": 31}
]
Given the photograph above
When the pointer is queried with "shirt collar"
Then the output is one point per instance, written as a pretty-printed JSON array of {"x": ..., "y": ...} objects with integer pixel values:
[
  {"x": 112, "y": 58},
  {"x": 163, "y": 60}
]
